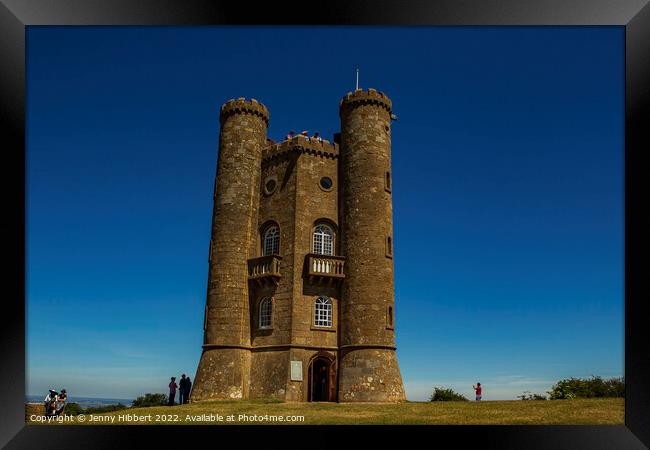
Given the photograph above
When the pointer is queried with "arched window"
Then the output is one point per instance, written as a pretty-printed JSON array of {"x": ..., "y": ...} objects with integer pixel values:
[
  {"x": 323, "y": 240},
  {"x": 266, "y": 312},
  {"x": 271, "y": 241},
  {"x": 323, "y": 312}
]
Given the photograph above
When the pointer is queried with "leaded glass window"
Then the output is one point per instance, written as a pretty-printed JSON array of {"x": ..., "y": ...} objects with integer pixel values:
[
  {"x": 323, "y": 240},
  {"x": 323, "y": 312},
  {"x": 272, "y": 241},
  {"x": 266, "y": 313}
]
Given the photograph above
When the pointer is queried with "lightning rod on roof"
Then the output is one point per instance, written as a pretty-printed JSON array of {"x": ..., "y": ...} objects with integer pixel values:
[{"x": 357, "y": 71}]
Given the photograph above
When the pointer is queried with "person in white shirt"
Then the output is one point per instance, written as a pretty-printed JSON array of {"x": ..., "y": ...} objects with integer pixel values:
[{"x": 50, "y": 402}]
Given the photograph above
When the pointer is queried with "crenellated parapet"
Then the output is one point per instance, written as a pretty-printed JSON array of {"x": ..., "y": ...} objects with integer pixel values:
[
  {"x": 361, "y": 97},
  {"x": 243, "y": 106},
  {"x": 300, "y": 144}
]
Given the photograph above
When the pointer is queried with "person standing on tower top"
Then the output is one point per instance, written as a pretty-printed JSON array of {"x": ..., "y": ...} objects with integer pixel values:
[
  {"x": 318, "y": 137},
  {"x": 291, "y": 134},
  {"x": 478, "y": 390}
]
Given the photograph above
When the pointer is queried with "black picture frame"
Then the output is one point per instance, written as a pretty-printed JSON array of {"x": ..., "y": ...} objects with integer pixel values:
[{"x": 634, "y": 15}]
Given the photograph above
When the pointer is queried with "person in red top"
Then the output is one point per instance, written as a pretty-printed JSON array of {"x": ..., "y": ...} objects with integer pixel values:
[
  {"x": 478, "y": 390},
  {"x": 172, "y": 391}
]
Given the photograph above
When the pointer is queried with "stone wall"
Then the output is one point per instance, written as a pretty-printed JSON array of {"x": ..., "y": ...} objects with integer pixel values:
[{"x": 296, "y": 204}]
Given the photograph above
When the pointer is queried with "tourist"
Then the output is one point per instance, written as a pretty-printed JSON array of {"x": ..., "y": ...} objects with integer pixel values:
[
  {"x": 60, "y": 402},
  {"x": 291, "y": 134},
  {"x": 172, "y": 391},
  {"x": 478, "y": 390},
  {"x": 182, "y": 384},
  {"x": 188, "y": 390},
  {"x": 50, "y": 402},
  {"x": 318, "y": 137},
  {"x": 305, "y": 133}
]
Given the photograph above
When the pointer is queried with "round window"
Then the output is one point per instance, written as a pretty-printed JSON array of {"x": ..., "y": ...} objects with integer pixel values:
[
  {"x": 326, "y": 183},
  {"x": 270, "y": 185}
]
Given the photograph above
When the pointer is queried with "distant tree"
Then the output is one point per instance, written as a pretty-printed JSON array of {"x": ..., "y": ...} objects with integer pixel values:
[
  {"x": 150, "y": 400},
  {"x": 446, "y": 395},
  {"x": 105, "y": 408},
  {"x": 74, "y": 409},
  {"x": 594, "y": 387},
  {"x": 527, "y": 395}
]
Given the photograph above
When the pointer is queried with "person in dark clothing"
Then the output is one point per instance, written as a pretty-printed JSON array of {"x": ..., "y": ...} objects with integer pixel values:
[
  {"x": 60, "y": 402},
  {"x": 172, "y": 391},
  {"x": 188, "y": 389},
  {"x": 182, "y": 389}
]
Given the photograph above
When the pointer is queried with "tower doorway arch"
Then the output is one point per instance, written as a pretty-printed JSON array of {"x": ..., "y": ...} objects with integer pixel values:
[{"x": 322, "y": 378}]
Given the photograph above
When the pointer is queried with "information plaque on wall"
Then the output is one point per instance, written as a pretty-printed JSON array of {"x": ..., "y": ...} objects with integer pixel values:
[{"x": 296, "y": 370}]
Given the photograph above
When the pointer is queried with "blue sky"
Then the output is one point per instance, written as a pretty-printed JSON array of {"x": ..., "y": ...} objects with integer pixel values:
[{"x": 507, "y": 191}]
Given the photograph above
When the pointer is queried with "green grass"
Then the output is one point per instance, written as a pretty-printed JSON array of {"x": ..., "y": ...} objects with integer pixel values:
[{"x": 604, "y": 411}]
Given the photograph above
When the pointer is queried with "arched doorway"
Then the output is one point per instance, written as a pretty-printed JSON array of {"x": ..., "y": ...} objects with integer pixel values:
[{"x": 322, "y": 379}]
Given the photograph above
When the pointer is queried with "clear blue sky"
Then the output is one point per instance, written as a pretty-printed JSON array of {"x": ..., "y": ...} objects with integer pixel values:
[{"x": 508, "y": 194}]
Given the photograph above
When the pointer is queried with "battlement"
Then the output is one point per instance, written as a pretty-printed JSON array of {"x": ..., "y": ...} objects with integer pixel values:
[
  {"x": 301, "y": 144},
  {"x": 243, "y": 106},
  {"x": 371, "y": 96}
]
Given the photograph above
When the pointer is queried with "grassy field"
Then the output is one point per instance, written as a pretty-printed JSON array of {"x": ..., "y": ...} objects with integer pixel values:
[{"x": 584, "y": 411}]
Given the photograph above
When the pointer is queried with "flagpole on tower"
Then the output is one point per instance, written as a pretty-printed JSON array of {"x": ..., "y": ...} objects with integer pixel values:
[{"x": 357, "y": 71}]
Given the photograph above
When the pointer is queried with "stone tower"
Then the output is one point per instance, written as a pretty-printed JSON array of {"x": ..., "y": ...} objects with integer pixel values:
[{"x": 300, "y": 288}]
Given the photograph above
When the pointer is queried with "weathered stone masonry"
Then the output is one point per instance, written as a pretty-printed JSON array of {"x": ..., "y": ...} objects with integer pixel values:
[{"x": 261, "y": 185}]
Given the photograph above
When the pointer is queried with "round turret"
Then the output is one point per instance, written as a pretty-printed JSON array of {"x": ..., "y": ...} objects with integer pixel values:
[
  {"x": 361, "y": 97},
  {"x": 243, "y": 106},
  {"x": 367, "y": 322},
  {"x": 223, "y": 370}
]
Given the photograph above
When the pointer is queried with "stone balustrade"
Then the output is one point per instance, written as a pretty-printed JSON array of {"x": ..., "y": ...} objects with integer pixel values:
[
  {"x": 325, "y": 266},
  {"x": 265, "y": 268}
]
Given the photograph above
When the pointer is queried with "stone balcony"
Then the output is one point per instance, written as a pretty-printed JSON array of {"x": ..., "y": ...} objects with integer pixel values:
[
  {"x": 324, "y": 267},
  {"x": 265, "y": 269}
]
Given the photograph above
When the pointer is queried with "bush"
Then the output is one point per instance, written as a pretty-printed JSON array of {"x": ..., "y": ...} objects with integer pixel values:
[
  {"x": 528, "y": 396},
  {"x": 446, "y": 395},
  {"x": 594, "y": 387},
  {"x": 150, "y": 400},
  {"x": 73, "y": 409}
]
